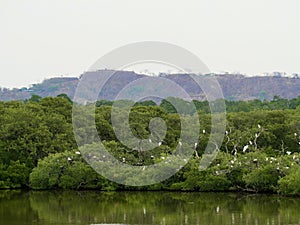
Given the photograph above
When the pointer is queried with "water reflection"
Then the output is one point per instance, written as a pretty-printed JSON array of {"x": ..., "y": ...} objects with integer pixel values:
[{"x": 70, "y": 207}]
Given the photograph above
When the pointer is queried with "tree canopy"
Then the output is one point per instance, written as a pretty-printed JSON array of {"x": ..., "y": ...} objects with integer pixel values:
[{"x": 260, "y": 151}]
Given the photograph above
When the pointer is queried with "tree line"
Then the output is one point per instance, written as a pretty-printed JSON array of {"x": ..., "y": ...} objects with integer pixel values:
[{"x": 259, "y": 153}]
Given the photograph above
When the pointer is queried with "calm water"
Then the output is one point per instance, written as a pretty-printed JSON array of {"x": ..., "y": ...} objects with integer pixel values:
[{"x": 41, "y": 208}]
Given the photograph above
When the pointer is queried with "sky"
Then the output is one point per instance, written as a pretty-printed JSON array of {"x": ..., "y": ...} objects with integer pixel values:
[{"x": 48, "y": 38}]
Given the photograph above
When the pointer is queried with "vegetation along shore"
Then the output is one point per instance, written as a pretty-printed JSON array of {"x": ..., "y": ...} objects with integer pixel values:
[{"x": 260, "y": 151}]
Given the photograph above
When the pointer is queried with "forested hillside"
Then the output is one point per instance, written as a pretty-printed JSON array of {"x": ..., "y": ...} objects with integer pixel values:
[
  {"x": 234, "y": 86},
  {"x": 260, "y": 151}
]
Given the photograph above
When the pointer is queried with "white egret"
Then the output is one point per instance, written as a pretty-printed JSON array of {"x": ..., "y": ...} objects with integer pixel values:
[{"x": 245, "y": 148}]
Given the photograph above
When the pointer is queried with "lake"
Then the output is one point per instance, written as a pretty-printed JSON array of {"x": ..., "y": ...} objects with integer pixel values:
[{"x": 92, "y": 207}]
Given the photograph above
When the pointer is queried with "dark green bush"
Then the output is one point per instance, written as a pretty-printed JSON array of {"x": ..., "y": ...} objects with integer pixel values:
[{"x": 290, "y": 184}]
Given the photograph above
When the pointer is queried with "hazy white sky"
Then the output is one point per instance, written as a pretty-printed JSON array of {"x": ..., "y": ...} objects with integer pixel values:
[{"x": 46, "y": 38}]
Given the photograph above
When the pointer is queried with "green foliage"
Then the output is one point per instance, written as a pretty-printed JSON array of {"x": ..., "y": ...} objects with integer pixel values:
[
  {"x": 263, "y": 179},
  {"x": 14, "y": 175},
  {"x": 65, "y": 96},
  {"x": 290, "y": 184},
  {"x": 259, "y": 153},
  {"x": 277, "y": 103},
  {"x": 30, "y": 131},
  {"x": 177, "y": 105},
  {"x": 166, "y": 105},
  {"x": 145, "y": 103},
  {"x": 213, "y": 182},
  {"x": 35, "y": 98},
  {"x": 66, "y": 170}
]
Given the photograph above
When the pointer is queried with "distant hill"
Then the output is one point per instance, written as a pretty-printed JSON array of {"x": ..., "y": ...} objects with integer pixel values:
[{"x": 234, "y": 86}]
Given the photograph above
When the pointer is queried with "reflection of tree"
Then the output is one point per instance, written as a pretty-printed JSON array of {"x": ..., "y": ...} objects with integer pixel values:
[
  {"x": 159, "y": 208},
  {"x": 15, "y": 208},
  {"x": 144, "y": 208}
]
